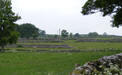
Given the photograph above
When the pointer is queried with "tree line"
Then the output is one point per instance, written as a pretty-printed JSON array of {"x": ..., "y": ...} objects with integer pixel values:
[{"x": 28, "y": 30}]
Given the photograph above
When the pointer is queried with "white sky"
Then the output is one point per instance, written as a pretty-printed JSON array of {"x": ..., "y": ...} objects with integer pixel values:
[{"x": 50, "y": 15}]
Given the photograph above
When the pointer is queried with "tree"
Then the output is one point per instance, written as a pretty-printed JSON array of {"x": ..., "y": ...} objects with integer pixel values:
[
  {"x": 107, "y": 7},
  {"x": 93, "y": 34},
  {"x": 28, "y": 30},
  {"x": 71, "y": 35},
  {"x": 55, "y": 36},
  {"x": 64, "y": 33},
  {"x": 77, "y": 35},
  {"x": 8, "y": 34},
  {"x": 42, "y": 33}
]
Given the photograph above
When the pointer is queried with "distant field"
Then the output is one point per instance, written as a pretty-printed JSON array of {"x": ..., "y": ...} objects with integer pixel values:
[
  {"x": 73, "y": 44},
  {"x": 93, "y": 45},
  {"x": 45, "y": 63}
]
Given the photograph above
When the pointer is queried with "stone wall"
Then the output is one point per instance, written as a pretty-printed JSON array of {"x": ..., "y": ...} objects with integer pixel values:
[{"x": 107, "y": 65}]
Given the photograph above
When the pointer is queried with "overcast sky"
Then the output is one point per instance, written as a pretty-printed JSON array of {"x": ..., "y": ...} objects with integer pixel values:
[{"x": 50, "y": 15}]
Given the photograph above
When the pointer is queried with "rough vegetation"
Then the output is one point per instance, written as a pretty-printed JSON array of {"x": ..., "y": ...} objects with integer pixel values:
[{"x": 108, "y": 65}]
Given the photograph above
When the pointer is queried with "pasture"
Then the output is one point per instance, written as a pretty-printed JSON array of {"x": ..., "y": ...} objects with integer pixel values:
[
  {"x": 66, "y": 45},
  {"x": 36, "y": 58},
  {"x": 45, "y": 63}
]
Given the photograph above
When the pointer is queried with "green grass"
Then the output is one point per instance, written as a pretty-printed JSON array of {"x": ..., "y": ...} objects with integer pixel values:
[
  {"x": 35, "y": 63},
  {"x": 33, "y": 49},
  {"x": 93, "y": 45},
  {"x": 44, "y": 63},
  {"x": 42, "y": 43},
  {"x": 75, "y": 46}
]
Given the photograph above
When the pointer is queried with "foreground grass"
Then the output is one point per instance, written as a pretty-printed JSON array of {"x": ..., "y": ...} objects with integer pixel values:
[{"x": 44, "y": 63}]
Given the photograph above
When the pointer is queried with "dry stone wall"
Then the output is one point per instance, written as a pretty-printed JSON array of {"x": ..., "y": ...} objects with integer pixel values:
[{"x": 107, "y": 65}]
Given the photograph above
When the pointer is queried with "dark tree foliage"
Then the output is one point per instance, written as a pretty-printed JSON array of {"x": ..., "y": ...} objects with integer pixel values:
[
  {"x": 93, "y": 34},
  {"x": 28, "y": 30},
  {"x": 71, "y": 35},
  {"x": 42, "y": 33},
  {"x": 107, "y": 7},
  {"x": 8, "y": 34},
  {"x": 77, "y": 35},
  {"x": 64, "y": 33}
]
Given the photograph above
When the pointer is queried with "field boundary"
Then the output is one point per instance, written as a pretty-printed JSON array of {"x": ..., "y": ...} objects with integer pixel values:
[{"x": 58, "y": 51}]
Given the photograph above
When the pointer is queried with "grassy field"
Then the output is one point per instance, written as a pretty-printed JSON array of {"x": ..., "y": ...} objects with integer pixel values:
[
  {"x": 45, "y": 63},
  {"x": 52, "y": 63},
  {"x": 75, "y": 46},
  {"x": 93, "y": 45}
]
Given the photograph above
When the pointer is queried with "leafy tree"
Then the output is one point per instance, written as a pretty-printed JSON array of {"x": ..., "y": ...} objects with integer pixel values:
[
  {"x": 71, "y": 35},
  {"x": 42, "y": 33},
  {"x": 93, "y": 34},
  {"x": 64, "y": 33},
  {"x": 8, "y": 34},
  {"x": 77, "y": 35},
  {"x": 107, "y": 7},
  {"x": 28, "y": 30}
]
